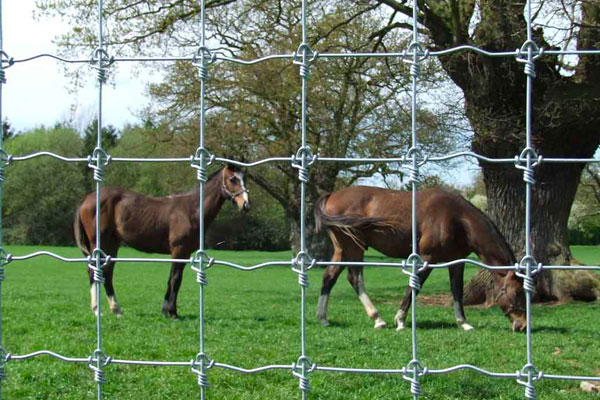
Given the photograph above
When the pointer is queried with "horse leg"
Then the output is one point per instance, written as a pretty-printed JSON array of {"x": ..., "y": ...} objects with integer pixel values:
[
  {"x": 456, "y": 273},
  {"x": 108, "y": 282},
  {"x": 330, "y": 276},
  {"x": 169, "y": 307},
  {"x": 356, "y": 279},
  {"x": 111, "y": 249},
  {"x": 400, "y": 317}
]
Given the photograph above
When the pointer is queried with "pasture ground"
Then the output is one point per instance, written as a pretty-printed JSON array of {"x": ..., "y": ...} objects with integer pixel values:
[{"x": 253, "y": 319}]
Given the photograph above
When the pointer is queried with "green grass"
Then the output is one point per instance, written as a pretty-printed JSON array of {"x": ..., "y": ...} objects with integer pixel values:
[{"x": 253, "y": 319}]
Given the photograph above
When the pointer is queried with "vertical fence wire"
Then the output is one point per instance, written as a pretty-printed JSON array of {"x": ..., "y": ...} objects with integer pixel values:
[
  {"x": 414, "y": 363},
  {"x": 201, "y": 358},
  {"x": 529, "y": 153},
  {"x": 303, "y": 176},
  {"x": 2, "y": 165},
  {"x": 303, "y": 57},
  {"x": 99, "y": 373}
]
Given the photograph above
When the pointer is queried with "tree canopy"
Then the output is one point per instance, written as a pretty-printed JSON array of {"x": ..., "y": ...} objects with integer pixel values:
[{"x": 357, "y": 107}]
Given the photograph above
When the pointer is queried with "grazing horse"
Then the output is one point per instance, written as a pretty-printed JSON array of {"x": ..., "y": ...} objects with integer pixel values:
[
  {"x": 166, "y": 225},
  {"x": 448, "y": 228}
]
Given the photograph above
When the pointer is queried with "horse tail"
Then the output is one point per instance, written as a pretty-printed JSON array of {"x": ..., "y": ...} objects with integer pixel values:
[
  {"x": 80, "y": 236},
  {"x": 320, "y": 214},
  {"x": 350, "y": 225}
]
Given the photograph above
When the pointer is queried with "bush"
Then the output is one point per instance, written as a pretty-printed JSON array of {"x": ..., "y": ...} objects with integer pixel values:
[{"x": 40, "y": 195}]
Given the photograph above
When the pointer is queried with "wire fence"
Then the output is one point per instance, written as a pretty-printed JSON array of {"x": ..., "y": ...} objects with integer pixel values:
[{"x": 303, "y": 57}]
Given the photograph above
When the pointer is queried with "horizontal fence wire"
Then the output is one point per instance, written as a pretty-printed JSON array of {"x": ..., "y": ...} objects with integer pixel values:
[
  {"x": 402, "y": 264},
  {"x": 404, "y": 159},
  {"x": 302, "y": 263},
  {"x": 219, "y": 56}
]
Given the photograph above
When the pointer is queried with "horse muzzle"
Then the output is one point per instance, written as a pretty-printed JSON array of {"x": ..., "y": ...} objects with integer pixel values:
[
  {"x": 518, "y": 326},
  {"x": 246, "y": 207}
]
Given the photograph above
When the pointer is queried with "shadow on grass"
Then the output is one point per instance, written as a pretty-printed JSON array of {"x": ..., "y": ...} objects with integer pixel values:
[
  {"x": 435, "y": 325},
  {"x": 549, "y": 329}
]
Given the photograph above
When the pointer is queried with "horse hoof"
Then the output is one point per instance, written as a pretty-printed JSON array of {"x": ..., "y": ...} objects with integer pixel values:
[
  {"x": 380, "y": 324},
  {"x": 400, "y": 326},
  {"x": 466, "y": 326},
  {"x": 325, "y": 322}
]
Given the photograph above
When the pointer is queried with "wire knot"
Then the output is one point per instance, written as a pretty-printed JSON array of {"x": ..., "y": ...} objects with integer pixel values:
[
  {"x": 415, "y": 154},
  {"x": 531, "y": 267},
  {"x": 416, "y": 369},
  {"x": 96, "y": 261},
  {"x": 418, "y": 265},
  {"x": 203, "y": 57},
  {"x": 5, "y": 259},
  {"x": 100, "y": 60},
  {"x": 304, "y": 57},
  {"x": 302, "y": 160},
  {"x": 200, "y": 161},
  {"x": 200, "y": 262},
  {"x": 299, "y": 263},
  {"x": 199, "y": 366},
  {"x": 97, "y": 161},
  {"x": 4, "y": 358},
  {"x": 97, "y": 362},
  {"x": 301, "y": 369},
  {"x": 5, "y": 160},
  {"x": 413, "y": 56},
  {"x": 528, "y": 54},
  {"x": 530, "y": 159},
  {"x": 6, "y": 63},
  {"x": 532, "y": 374}
]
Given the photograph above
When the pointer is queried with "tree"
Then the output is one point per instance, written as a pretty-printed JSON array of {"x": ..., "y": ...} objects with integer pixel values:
[
  {"x": 357, "y": 107},
  {"x": 566, "y": 109},
  {"x": 584, "y": 222},
  {"x": 42, "y": 194},
  {"x": 7, "y": 130}
]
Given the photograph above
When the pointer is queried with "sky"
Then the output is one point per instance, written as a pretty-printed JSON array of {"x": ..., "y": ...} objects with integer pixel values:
[{"x": 36, "y": 92}]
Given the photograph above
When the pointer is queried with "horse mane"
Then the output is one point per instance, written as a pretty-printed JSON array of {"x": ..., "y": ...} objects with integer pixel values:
[
  {"x": 209, "y": 179},
  {"x": 500, "y": 236}
]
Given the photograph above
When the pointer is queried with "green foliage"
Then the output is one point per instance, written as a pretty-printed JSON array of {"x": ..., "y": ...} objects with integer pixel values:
[
  {"x": 264, "y": 227},
  {"x": 253, "y": 319},
  {"x": 40, "y": 195},
  {"x": 156, "y": 179},
  {"x": 584, "y": 220}
]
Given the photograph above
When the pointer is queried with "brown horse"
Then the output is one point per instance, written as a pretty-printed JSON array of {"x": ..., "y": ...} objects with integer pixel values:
[
  {"x": 449, "y": 228},
  {"x": 166, "y": 225}
]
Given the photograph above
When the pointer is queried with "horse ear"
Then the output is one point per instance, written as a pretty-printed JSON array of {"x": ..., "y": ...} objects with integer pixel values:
[{"x": 233, "y": 167}]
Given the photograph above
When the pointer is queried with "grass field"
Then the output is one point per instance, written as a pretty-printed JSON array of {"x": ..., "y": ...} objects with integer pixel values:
[{"x": 253, "y": 319}]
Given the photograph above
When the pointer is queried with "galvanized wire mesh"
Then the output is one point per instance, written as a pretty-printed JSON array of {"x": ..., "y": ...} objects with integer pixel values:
[{"x": 413, "y": 160}]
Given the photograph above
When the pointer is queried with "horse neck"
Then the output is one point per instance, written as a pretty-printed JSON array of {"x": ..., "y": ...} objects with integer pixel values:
[
  {"x": 213, "y": 197},
  {"x": 487, "y": 241}
]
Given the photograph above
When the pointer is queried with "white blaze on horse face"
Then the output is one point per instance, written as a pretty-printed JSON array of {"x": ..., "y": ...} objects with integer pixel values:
[
  {"x": 243, "y": 185},
  {"x": 242, "y": 200}
]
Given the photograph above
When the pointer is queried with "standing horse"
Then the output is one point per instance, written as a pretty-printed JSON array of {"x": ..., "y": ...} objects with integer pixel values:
[
  {"x": 166, "y": 225},
  {"x": 448, "y": 228}
]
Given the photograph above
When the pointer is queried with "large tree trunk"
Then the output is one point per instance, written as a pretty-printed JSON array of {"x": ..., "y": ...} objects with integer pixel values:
[
  {"x": 551, "y": 199},
  {"x": 565, "y": 120}
]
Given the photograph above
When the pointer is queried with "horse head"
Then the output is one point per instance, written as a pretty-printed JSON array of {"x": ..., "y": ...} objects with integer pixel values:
[
  {"x": 511, "y": 299},
  {"x": 234, "y": 187}
]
